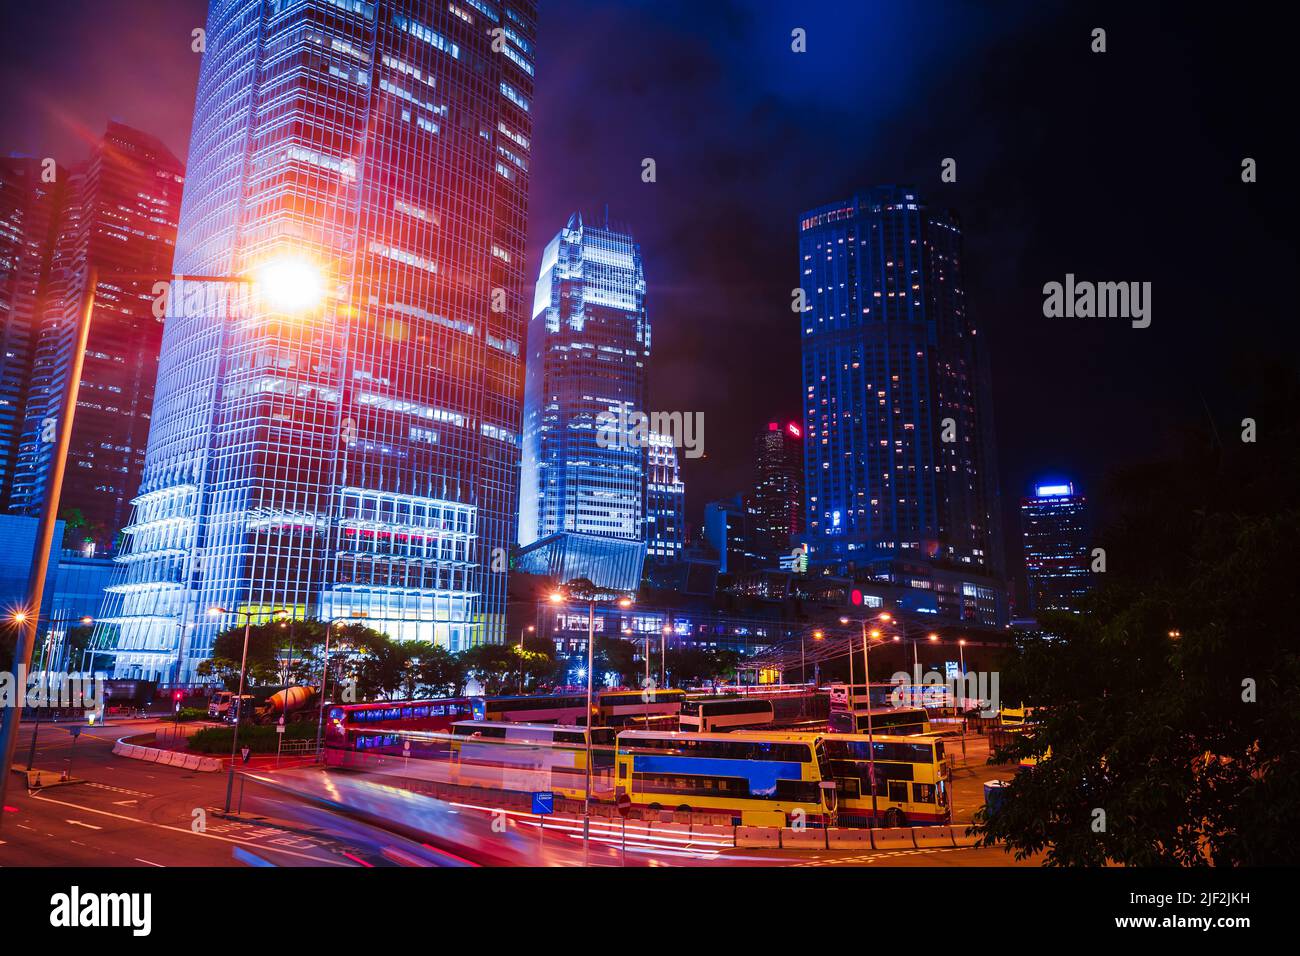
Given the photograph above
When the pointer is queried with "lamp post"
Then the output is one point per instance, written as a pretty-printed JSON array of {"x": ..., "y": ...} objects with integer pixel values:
[
  {"x": 866, "y": 664},
  {"x": 290, "y": 285},
  {"x": 239, "y": 698},
  {"x": 324, "y": 676},
  {"x": 522, "y": 631},
  {"x": 585, "y": 590}
]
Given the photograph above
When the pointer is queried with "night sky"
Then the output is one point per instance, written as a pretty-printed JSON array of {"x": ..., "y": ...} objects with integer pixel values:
[{"x": 1123, "y": 166}]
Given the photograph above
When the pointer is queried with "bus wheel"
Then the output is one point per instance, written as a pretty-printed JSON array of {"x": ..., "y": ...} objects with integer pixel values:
[
  {"x": 655, "y": 807},
  {"x": 683, "y": 808},
  {"x": 894, "y": 817}
]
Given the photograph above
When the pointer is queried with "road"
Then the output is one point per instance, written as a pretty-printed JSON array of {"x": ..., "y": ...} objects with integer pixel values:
[{"x": 131, "y": 813}]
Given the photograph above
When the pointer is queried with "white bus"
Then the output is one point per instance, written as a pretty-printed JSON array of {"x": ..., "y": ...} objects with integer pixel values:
[{"x": 726, "y": 713}]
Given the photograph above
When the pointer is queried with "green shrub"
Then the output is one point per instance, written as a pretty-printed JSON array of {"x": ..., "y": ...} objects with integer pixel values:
[{"x": 262, "y": 739}]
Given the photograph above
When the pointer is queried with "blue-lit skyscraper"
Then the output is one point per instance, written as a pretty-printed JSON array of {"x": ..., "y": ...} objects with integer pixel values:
[
  {"x": 359, "y": 458},
  {"x": 1055, "y": 529},
  {"x": 898, "y": 439},
  {"x": 584, "y": 460}
]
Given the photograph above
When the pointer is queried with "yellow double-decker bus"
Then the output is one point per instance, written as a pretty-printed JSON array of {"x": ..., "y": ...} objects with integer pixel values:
[
  {"x": 913, "y": 778},
  {"x": 758, "y": 779}
]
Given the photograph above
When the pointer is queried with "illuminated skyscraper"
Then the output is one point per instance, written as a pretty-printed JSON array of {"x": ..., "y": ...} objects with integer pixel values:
[
  {"x": 119, "y": 215},
  {"x": 665, "y": 501},
  {"x": 357, "y": 457},
  {"x": 898, "y": 438},
  {"x": 776, "y": 504},
  {"x": 584, "y": 459},
  {"x": 1054, "y": 525},
  {"x": 30, "y": 210}
]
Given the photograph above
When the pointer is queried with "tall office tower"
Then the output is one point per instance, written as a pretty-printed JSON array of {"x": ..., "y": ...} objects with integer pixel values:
[
  {"x": 353, "y": 453},
  {"x": 729, "y": 531},
  {"x": 898, "y": 439},
  {"x": 30, "y": 209},
  {"x": 1055, "y": 530},
  {"x": 584, "y": 458},
  {"x": 776, "y": 504},
  {"x": 665, "y": 501},
  {"x": 120, "y": 216}
]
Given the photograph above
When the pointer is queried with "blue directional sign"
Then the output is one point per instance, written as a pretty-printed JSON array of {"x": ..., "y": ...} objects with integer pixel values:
[{"x": 543, "y": 802}]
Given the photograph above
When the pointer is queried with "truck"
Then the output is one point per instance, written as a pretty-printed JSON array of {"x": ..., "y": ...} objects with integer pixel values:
[{"x": 261, "y": 708}]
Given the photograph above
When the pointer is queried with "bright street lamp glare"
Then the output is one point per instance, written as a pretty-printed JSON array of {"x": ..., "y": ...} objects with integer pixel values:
[
  {"x": 214, "y": 611},
  {"x": 844, "y": 620},
  {"x": 875, "y": 634},
  {"x": 557, "y": 597},
  {"x": 934, "y": 637},
  {"x": 625, "y": 602},
  {"x": 291, "y": 285}
]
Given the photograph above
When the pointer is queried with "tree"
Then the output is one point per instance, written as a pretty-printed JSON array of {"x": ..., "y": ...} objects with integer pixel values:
[
  {"x": 1171, "y": 704},
  {"x": 495, "y": 666}
]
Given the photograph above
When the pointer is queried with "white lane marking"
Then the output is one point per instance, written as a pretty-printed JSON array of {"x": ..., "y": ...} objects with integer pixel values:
[
  {"x": 78, "y": 823},
  {"x": 164, "y": 826},
  {"x": 124, "y": 803},
  {"x": 150, "y": 862}
]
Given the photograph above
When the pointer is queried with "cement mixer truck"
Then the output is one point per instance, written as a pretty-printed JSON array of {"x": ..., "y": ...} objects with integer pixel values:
[{"x": 287, "y": 703}]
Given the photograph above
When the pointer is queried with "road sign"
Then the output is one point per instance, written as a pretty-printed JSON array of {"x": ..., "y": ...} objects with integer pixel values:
[
  {"x": 244, "y": 752},
  {"x": 75, "y": 730},
  {"x": 543, "y": 802},
  {"x": 623, "y": 802}
]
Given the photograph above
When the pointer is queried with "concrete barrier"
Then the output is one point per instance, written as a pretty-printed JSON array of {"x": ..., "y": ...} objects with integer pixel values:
[
  {"x": 758, "y": 836},
  {"x": 809, "y": 838},
  {"x": 960, "y": 836},
  {"x": 930, "y": 837},
  {"x": 848, "y": 838},
  {"x": 169, "y": 758},
  {"x": 674, "y": 829},
  {"x": 711, "y": 831},
  {"x": 893, "y": 838}
]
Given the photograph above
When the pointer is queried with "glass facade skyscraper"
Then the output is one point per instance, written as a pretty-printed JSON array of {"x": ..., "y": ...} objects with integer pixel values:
[
  {"x": 360, "y": 458},
  {"x": 30, "y": 211},
  {"x": 584, "y": 464},
  {"x": 776, "y": 505},
  {"x": 1054, "y": 526},
  {"x": 665, "y": 501},
  {"x": 119, "y": 216},
  {"x": 898, "y": 438}
]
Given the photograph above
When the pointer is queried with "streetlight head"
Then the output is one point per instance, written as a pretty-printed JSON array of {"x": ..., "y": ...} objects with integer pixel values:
[
  {"x": 875, "y": 634},
  {"x": 885, "y": 616},
  {"x": 934, "y": 637},
  {"x": 531, "y": 629},
  {"x": 961, "y": 641},
  {"x": 20, "y": 617},
  {"x": 897, "y": 638},
  {"x": 214, "y": 611},
  {"x": 87, "y": 620},
  {"x": 557, "y": 597},
  {"x": 625, "y": 602},
  {"x": 291, "y": 285},
  {"x": 844, "y": 620},
  {"x": 818, "y": 635}
]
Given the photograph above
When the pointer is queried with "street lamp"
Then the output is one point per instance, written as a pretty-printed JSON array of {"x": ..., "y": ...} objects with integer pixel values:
[
  {"x": 585, "y": 590},
  {"x": 867, "y": 638},
  {"x": 239, "y": 698},
  {"x": 526, "y": 630},
  {"x": 288, "y": 284}
]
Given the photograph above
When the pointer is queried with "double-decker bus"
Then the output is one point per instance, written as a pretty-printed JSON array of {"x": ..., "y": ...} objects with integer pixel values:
[
  {"x": 713, "y": 714},
  {"x": 760, "y": 780},
  {"x": 533, "y": 709},
  {"x": 890, "y": 720},
  {"x": 912, "y": 779},
  {"x": 528, "y": 757},
  {"x": 435, "y": 715},
  {"x": 652, "y": 708}
]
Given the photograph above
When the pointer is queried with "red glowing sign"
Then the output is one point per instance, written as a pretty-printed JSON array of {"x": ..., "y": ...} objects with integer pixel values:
[
  {"x": 856, "y": 596},
  {"x": 793, "y": 429}
]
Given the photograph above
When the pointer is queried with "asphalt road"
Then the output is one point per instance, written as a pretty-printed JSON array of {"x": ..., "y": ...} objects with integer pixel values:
[{"x": 130, "y": 813}]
